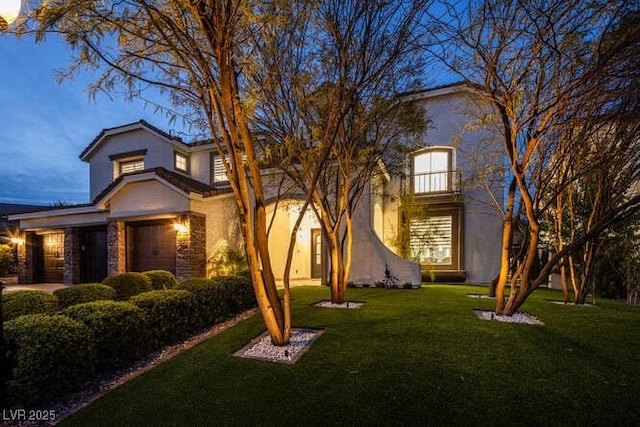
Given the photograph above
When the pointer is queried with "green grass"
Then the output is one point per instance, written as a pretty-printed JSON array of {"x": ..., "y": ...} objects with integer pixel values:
[{"x": 407, "y": 358}]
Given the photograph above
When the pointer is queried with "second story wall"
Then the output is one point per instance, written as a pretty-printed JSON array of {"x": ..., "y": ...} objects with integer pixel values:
[{"x": 130, "y": 151}]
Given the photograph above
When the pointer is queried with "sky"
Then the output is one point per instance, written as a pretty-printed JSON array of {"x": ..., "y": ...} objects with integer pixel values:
[{"x": 44, "y": 126}]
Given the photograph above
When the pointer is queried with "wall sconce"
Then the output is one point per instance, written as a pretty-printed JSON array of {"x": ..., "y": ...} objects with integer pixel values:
[
  {"x": 180, "y": 227},
  {"x": 17, "y": 241}
]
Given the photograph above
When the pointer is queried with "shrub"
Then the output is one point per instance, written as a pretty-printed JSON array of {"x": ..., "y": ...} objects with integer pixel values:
[
  {"x": 210, "y": 298},
  {"x": 161, "y": 279},
  {"x": 19, "y": 303},
  {"x": 120, "y": 329},
  {"x": 129, "y": 284},
  {"x": 171, "y": 313},
  {"x": 238, "y": 290},
  {"x": 227, "y": 262},
  {"x": 49, "y": 356},
  {"x": 85, "y": 292},
  {"x": 6, "y": 259}
]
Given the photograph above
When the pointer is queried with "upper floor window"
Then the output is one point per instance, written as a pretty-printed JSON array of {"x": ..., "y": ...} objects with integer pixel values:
[
  {"x": 181, "y": 162},
  {"x": 432, "y": 171},
  {"x": 128, "y": 162},
  {"x": 218, "y": 172},
  {"x": 131, "y": 166}
]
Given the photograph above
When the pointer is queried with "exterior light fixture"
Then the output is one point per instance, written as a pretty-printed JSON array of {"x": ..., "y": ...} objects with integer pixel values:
[
  {"x": 9, "y": 11},
  {"x": 180, "y": 227},
  {"x": 17, "y": 241}
]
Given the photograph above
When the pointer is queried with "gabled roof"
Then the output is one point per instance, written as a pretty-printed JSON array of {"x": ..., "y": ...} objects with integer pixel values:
[
  {"x": 181, "y": 182},
  {"x": 142, "y": 124}
]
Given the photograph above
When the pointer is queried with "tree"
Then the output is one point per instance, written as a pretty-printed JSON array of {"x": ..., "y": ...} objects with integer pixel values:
[
  {"x": 334, "y": 113},
  {"x": 545, "y": 68},
  {"x": 200, "y": 54}
]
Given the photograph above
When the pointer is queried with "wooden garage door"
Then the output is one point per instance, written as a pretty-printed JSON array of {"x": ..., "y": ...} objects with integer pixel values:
[{"x": 151, "y": 246}]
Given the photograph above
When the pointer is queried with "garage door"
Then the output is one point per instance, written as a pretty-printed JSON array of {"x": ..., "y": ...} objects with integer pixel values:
[{"x": 151, "y": 246}]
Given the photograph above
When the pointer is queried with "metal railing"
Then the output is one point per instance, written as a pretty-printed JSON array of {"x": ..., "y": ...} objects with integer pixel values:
[{"x": 436, "y": 182}]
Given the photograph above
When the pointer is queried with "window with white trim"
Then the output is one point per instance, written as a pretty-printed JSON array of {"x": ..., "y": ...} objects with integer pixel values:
[
  {"x": 181, "y": 162},
  {"x": 432, "y": 171},
  {"x": 131, "y": 166},
  {"x": 218, "y": 172}
]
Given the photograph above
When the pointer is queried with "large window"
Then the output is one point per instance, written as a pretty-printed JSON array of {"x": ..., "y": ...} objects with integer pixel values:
[
  {"x": 431, "y": 240},
  {"x": 432, "y": 171}
]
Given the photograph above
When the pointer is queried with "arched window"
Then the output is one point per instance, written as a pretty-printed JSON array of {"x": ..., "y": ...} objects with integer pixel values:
[{"x": 432, "y": 170}]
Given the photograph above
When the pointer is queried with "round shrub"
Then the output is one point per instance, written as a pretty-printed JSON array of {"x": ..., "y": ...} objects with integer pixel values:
[
  {"x": 19, "y": 303},
  {"x": 129, "y": 284},
  {"x": 210, "y": 298},
  {"x": 239, "y": 292},
  {"x": 86, "y": 292},
  {"x": 120, "y": 329},
  {"x": 49, "y": 356},
  {"x": 161, "y": 279},
  {"x": 171, "y": 313}
]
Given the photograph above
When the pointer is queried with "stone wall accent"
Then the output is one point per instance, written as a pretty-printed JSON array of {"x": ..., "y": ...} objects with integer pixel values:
[
  {"x": 26, "y": 272},
  {"x": 191, "y": 247},
  {"x": 72, "y": 256},
  {"x": 116, "y": 248}
]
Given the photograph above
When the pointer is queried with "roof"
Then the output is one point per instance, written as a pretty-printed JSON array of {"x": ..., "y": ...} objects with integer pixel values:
[
  {"x": 13, "y": 208},
  {"x": 142, "y": 124},
  {"x": 182, "y": 182}
]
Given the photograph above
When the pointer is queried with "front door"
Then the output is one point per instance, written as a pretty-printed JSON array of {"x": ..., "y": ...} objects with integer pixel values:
[
  {"x": 316, "y": 253},
  {"x": 93, "y": 248},
  {"x": 151, "y": 246},
  {"x": 53, "y": 257}
]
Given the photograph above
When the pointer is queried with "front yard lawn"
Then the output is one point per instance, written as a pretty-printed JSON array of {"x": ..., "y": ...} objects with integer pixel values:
[{"x": 411, "y": 357}]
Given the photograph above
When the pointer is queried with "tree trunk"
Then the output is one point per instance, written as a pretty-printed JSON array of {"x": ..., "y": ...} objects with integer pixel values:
[{"x": 507, "y": 237}]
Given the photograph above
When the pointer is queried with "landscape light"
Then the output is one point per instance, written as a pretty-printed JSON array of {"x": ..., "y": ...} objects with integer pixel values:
[{"x": 9, "y": 11}]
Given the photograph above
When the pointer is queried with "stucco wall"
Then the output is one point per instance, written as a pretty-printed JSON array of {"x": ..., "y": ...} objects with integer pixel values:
[
  {"x": 159, "y": 154},
  {"x": 146, "y": 198}
]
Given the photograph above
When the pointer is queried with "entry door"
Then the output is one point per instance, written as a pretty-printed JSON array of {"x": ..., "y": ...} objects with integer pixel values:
[
  {"x": 152, "y": 246},
  {"x": 53, "y": 257},
  {"x": 93, "y": 247},
  {"x": 316, "y": 253}
]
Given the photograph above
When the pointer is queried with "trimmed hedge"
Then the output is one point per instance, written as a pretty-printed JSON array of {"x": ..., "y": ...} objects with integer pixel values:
[
  {"x": 161, "y": 279},
  {"x": 171, "y": 313},
  {"x": 20, "y": 303},
  {"x": 211, "y": 300},
  {"x": 49, "y": 356},
  {"x": 120, "y": 329},
  {"x": 86, "y": 292},
  {"x": 239, "y": 291},
  {"x": 129, "y": 284}
]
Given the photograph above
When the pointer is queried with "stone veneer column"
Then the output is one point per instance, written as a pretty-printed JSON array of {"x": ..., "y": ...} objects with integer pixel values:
[
  {"x": 116, "y": 248},
  {"x": 191, "y": 248},
  {"x": 26, "y": 274},
  {"x": 71, "y": 256}
]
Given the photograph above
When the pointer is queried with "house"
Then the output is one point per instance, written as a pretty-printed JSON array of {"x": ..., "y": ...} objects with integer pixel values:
[{"x": 161, "y": 203}]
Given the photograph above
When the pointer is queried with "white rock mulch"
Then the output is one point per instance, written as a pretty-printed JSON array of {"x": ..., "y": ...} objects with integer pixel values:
[
  {"x": 261, "y": 348},
  {"x": 352, "y": 305},
  {"x": 586, "y": 304},
  {"x": 518, "y": 317},
  {"x": 481, "y": 296}
]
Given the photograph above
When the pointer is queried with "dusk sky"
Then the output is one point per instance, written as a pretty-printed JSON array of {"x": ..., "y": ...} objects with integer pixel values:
[{"x": 44, "y": 126}]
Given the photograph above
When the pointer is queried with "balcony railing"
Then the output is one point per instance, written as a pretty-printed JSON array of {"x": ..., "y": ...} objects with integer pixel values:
[{"x": 436, "y": 182}]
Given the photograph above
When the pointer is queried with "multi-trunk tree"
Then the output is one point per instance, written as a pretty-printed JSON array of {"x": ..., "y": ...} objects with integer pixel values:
[
  {"x": 544, "y": 68},
  {"x": 200, "y": 54},
  {"x": 334, "y": 115}
]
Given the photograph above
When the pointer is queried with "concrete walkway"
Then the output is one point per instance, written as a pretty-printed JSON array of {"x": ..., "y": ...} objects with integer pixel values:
[{"x": 11, "y": 285}]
